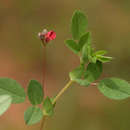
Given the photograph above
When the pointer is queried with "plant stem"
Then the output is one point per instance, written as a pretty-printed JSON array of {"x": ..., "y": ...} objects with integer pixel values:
[
  {"x": 93, "y": 84},
  {"x": 54, "y": 101},
  {"x": 43, "y": 123},
  {"x": 44, "y": 67},
  {"x": 58, "y": 96},
  {"x": 44, "y": 73},
  {"x": 62, "y": 91}
]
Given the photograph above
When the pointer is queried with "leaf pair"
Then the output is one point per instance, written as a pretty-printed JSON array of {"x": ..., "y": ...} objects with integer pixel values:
[
  {"x": 81, "y": 43},
  {"x": 79, "y": 25},
  {"x": 36, "y": 96}
]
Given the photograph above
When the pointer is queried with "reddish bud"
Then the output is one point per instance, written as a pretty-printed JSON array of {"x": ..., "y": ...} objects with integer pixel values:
[
  {"x": 46, "y": 36},
  {"x": 51, "y": 35}
]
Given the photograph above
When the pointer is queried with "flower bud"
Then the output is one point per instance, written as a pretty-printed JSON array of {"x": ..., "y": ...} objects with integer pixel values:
[{"x": 46, "y": 36}]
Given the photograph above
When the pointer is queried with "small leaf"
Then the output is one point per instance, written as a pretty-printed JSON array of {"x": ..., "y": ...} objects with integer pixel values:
[
  {"x": 104, "y": 59},
  {"x": 101, "y": 52},
  {"x": 35, "y": 92},
  {"x": 84, "y": 39},
  {"x": 79, "y": 25},
  {"x": 114, "y": 88},
  {"x": 77, "y": 76},
  {"x": 76, "y": 73},
  {"x": 33, "y": 115},
  {"x": 12, "y": 88},
  {"x": 93, "y": 71},
  {"x": 48, "y": 107},
  {"x": 87, "y": 51},
  {"x": 5, "y": 102},
  {"x": 71, "y": 44}
]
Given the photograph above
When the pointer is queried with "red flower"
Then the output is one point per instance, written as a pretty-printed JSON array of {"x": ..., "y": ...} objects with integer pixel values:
[
  {"x": 46, "y": 36},
  {"x": 51, "y": 35}
]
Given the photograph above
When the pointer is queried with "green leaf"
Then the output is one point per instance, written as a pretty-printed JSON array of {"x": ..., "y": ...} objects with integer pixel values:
[
  {"x": 114, "y": 88},
  {"x": 93, "y": 72},
  {"x": 76, "y": 73},
  {"x": 84, "y": 39},
  {"x": 71, "y": 44},
  {"x": 77, "y": 76},
  {"x": 86, "y": 51},
  {"x": 5, "y": 102},
  {"x": 92, "y": 59},
  {"x": 12, "y": 88},
  {"x": 86, "y": 54},
  {"x": 104, "y": 59},
  {"x": 48, "y": 107},
  {"x": 35, "y": 92},
  {"x": 79, "y": 25},
  {"x": 101, "y": 52},
  {"x": 33, "y": 115}
]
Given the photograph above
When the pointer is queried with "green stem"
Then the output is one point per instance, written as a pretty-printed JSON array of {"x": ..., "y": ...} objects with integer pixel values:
[
  {"x": 62, "y": 91},
  {"x": 44, "y": 73},
  {"x": 54, "y": 101}
]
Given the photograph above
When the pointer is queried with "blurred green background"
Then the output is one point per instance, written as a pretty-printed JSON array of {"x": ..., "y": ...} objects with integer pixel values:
[{"x": 21, "y": 58}]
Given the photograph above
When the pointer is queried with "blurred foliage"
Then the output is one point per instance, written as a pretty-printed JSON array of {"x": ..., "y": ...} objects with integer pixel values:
[{"x": 21, "y": 58}]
